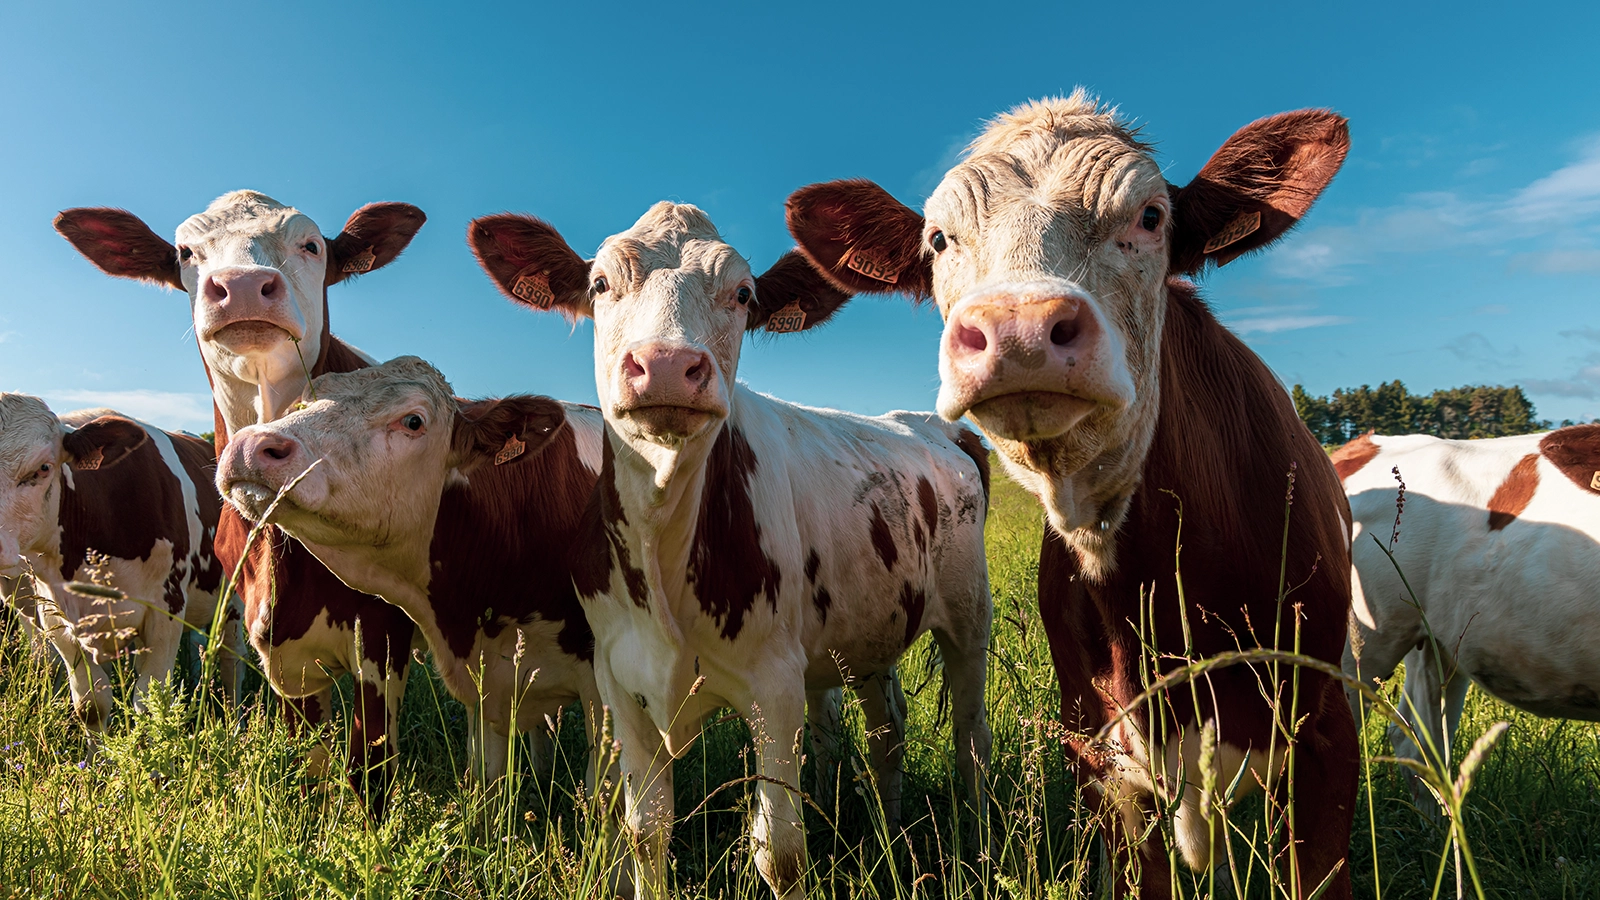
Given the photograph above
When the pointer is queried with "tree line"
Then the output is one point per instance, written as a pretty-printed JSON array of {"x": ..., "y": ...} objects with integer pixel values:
[{"x": 1470, "y": 411}]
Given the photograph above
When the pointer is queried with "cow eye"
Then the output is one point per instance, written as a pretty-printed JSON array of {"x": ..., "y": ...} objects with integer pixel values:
[
  {"x": 601, "y": 285},
  {"x": 185, "y": 254},
  {"x": 312, "y": 248},
  {"x": 36, "y": 476},
  {"x": 1151, "y": 220},
  {"x": 937, "y": 242},
  {"x": 412, "y": 422},
  {"x": 744, "y": 295}
]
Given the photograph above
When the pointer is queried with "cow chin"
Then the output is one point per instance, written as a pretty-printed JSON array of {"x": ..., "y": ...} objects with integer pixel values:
[
  {"x": 669, "y": 424},
  {"x": 1030, "y": 415},
  {"x": 250, "y": 498},
  {"x": 251, "y": 337}
]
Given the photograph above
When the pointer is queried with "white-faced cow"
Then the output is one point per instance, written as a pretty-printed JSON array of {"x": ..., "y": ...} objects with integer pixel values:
[
  {"x": 257, "y": 274},
  {"x": 459, "y": 513},
  {"x": 97, "y": 497},
  {"x": 740, "y": 550},
  {"x": 1057, "y": 254},
  {"x": 1500, "y": 546}
]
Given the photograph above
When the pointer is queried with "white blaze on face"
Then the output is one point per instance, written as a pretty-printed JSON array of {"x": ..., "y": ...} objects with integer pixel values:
[
  {"x": 1049, "y": 247},
  {"x": 670, "y": 302},
  {"x": 30, "y": 495},
  {"x": 256, "y": 272}
]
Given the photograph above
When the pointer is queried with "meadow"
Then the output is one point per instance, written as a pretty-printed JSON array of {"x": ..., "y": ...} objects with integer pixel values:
[{"x": 189, "y": 800}]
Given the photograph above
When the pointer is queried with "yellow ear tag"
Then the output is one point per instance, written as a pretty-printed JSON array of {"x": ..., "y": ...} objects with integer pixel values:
[
  {"x": 869, "y": 265},
  {"x": 361, "y": 262},
  {"x": 513, "y": 449},
  {"x": 90, "y": 463},
  {"x": 533, "y": 288},
  {"x": 789, "y": 318},
  {"x": 1235, "y": 231},
  {"x": 1594, "y": 483}
]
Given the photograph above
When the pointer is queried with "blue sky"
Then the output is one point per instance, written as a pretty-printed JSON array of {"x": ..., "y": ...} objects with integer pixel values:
[{"x": 1461, "y": 243}]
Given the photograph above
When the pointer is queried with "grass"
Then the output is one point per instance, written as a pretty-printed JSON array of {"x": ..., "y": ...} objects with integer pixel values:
[{"x": 187, "y": 800}]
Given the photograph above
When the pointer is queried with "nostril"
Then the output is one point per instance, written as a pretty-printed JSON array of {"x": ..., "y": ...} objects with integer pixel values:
[
  {"x": 971, "y": 339},
  {"x": 1062, "y": 333},
  {"x": 277, "y": 452},
  {"x": 631, "y": 366},
  {"x": 694, "y": 372},
  {"x": 215, "y": 291},
  {"x": 270, "y": 287}
]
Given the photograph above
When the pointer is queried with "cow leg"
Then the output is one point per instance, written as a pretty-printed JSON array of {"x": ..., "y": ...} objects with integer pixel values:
[
  {"x": 1371, "y": 654},
  {"x": 777, "y": 834},
  {"x": 374, "y": 727},
  {"x": 488, "y": 750},
  {"x": 305, "y": 715},
  {"x": 86, "y": 680},
  {"x": 965, "y": 675},
  {"x": 603, "y": 778},
  {"x": 647, "y": 785},
  {"x": 1423, "y": 705},
  {"x": 883, "y": 704},
  {"x": 1326, "y": 770},
  {"x": 161, "y": 636},
  {"x": 824, "y": 713},
  {"x": 1140, "y": 870},
  {"x": 229, "y": 659}
]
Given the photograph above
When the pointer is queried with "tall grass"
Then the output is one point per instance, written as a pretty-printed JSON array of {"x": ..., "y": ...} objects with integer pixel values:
[{"x": 186, "y": 800}]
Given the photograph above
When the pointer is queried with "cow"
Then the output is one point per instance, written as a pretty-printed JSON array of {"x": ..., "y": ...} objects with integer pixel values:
[
  {"x": 1492, "y": 577},
  {"x": 257, "y": 275},
  {"x": 739, "y": 550},
  {"x": 1059, "y": 258},
  {"x": 97, "y": 497},
  {"x": 458, "y": 513}
]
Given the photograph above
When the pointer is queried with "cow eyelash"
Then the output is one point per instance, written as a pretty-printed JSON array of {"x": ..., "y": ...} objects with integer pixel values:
[
  {"x": 312, "y": 248},
  {"x": 34, "y": 476},
  {"x": 600, "y": 286},
  {"x": 185, "y": 254}
]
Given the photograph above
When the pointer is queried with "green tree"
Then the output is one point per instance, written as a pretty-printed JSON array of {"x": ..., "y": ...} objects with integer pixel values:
[{"x": 1470, "y": 411}]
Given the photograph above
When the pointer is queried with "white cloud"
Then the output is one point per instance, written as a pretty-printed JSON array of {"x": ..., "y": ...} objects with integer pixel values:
[
  {"x": 1572, "y": 190},
  {"x": 162, "y": 408},
  {"x": 1558, "y": 262},
  {"x": 1274, "y": 324}
]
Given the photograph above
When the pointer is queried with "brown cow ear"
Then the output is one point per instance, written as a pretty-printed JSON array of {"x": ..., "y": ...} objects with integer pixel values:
[
  {"x": 103, "y": 442},
  {"x": 862, "y": 238},
  {"x": 500, "y": 432},
  {"x": 121, "y": 244},
  {"x": 531, "y": 263},
  {"x": 372, "y": 237},
  {"x": 793, "y": 296},
  {"x": 1256, "y": 187}
]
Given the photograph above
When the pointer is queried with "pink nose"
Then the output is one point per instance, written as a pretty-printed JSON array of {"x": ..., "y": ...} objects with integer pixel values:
[
  {"x": 664, "y": 372},
  {"x": 1031, "y": 335},
  {"x": 243, "y": 289},
  {"x": 268, "y": 453}
]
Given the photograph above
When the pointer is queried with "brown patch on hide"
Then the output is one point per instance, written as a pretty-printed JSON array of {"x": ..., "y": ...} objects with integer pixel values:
[
  {"x": 813, "y": 563},
  {"x": 1576, "y": 452},
  {"x": 882, "y": 538},
  {"x": 727, "y": 566},
  {"x": 969, "y": 443},
  {"x": 929, "y": 501},
  {"x": 1353, "y": 456},
  {"x": 1514, "y": 494},
  {"x": 912, "y": 602},
  {"x": 600, "y": 538},
  {"x": 858, "y": 235}
]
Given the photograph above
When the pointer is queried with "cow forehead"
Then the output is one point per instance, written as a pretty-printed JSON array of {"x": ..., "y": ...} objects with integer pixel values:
[
  {"x": 366, "y": 392},
  {"x": 242, "y": 214},
  {"x": 1068, "y": 155},
  {"x": 26, "y": 425},
  {"x": 670, "y": 243}
]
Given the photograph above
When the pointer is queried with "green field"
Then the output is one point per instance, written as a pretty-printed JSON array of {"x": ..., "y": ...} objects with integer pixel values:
[{"x": 185, "y": 800}]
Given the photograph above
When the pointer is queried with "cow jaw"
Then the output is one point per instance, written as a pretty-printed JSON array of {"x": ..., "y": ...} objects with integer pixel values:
[{"x": 255, "y": 271}]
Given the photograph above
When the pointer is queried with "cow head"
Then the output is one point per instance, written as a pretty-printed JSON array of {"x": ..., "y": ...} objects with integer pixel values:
[
  {"x": 257, "y": 274},
  {"x": 35, "y": 447},
  {"x": 1048, "y": 250},
  {"x": 671, "y": 304},
  {"x": 385, "y": 440}
]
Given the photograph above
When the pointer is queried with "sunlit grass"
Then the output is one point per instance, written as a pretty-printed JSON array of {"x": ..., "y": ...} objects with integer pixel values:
[{"x": 185, "y": 800}]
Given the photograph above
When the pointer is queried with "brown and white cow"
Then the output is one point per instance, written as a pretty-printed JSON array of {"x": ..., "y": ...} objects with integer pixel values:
[
  {"x": 1057, "y": 254},
  {"x": 257, "y": 275},
  {"x": 1499, "y": 545},
  {"x": 459, "y": 513},
  {"x": 741, "y": 550},
  {"x": 97, "y": 497}
]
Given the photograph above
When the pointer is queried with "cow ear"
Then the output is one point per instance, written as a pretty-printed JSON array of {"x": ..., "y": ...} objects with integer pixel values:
[
  {"x": 121, "y": 244},
  {"x": 373, "y": 237},
  {"x": 862, "y": 238},
  {"x": 103, "y": 442},
  {"x": 531, "y": 263},
  {"x": 1256, "y": 187},
  {"x": 793, "y": 296},
  {"x": 500, "y": 432}
]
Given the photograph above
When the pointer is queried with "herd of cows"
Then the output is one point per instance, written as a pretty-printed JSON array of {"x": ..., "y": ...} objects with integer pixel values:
[{"x": 693, "y": 545}]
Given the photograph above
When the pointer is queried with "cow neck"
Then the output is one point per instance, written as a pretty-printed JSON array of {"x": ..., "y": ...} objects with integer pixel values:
[{"x": 235, "y": 402}]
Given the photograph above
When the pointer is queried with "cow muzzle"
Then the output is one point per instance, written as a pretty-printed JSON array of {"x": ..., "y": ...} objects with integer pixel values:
[
  {"x": 257, "y": 464},
  {"x": 669, "y": 390},
  {"x": 1030, "y": 361},
  {"x": 248, "y": 309}
]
